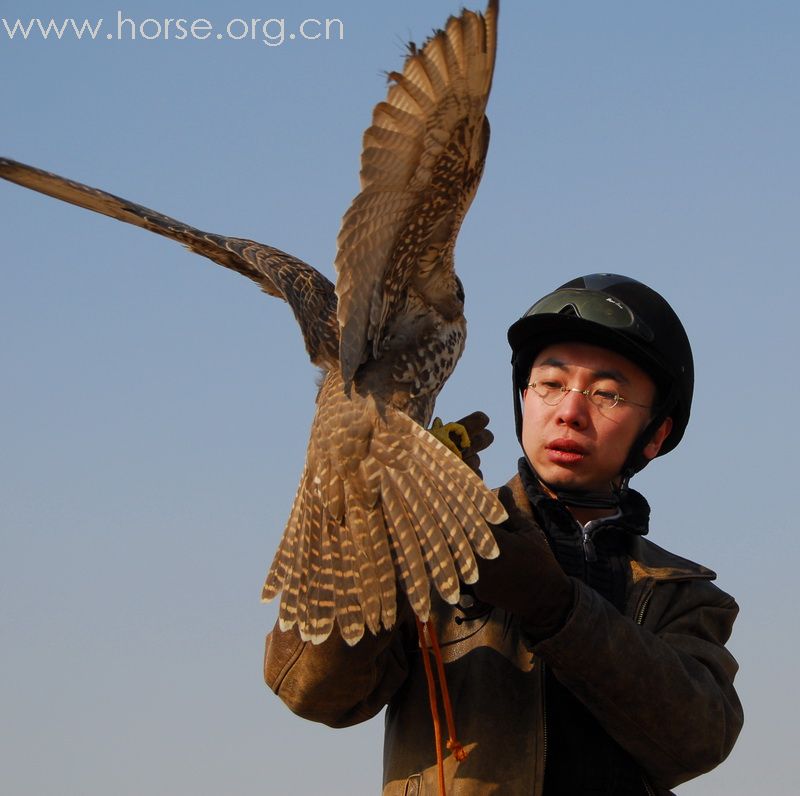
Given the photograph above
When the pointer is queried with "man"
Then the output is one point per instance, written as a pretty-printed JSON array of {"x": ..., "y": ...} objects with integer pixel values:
[{"x": 586, "y": 660}]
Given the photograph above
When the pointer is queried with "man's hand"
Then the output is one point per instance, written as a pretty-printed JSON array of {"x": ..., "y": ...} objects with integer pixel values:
[{"x": 527, "y": 581}]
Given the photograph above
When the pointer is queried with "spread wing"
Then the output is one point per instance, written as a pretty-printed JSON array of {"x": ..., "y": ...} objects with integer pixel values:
[
  {"x": 422, "y": 160},
  {"x": 310, "y": 294}
]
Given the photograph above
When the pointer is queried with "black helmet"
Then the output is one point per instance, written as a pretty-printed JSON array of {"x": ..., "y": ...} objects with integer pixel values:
[{"x": 625, "y": 316}]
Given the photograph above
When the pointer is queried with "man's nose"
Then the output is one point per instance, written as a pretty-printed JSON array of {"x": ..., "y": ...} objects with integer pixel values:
[{"x": 573, "y": 410}]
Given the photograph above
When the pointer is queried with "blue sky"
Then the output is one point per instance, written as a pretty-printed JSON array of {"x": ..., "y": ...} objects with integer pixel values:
[{"x": 155, "y": 408}]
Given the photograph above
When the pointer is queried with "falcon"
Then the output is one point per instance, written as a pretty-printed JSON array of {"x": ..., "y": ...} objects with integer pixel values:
[{"x": 381, "y": 501}]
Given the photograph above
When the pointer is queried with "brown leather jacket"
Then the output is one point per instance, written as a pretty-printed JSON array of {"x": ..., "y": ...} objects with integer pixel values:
[{"x": 658, "y": 678}]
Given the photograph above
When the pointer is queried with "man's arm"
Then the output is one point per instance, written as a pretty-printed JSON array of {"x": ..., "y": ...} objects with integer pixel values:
[
  {"x": 332, "y": 682},
  {"x": 665, "y": 694},
  {"x": 663, "y": 691}
]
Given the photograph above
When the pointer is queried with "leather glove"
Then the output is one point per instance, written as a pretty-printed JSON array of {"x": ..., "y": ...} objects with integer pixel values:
[{"x": 527, "y": 581}]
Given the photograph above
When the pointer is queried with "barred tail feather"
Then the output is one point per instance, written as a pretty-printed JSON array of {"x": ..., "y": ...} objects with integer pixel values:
[
  {"x": 404, "y": 509},
  {"x": 472, "y": 502},
  {"x": 295, "y": 585},
  {"x": 347, "y": 587},
  {"x": 281, "y": 567},
  {"x": 310, "y": 564},
  {"x": 316, "y": 621},
  {"x": 358, "y": 531},
  {"x": 436, "y": 551},
  {"x": 408, "y": 557},
  {"x": 454, "y": 533},
  {"x": 466, "y": 481}
]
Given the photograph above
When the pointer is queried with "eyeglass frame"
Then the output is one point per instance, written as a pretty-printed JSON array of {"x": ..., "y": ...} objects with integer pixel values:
[{"x": 587, "y": 393}]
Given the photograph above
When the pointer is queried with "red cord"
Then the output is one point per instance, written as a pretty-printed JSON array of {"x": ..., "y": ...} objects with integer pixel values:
[
  {"x": 459, "y": 752},
  {"x": 437, "y": 730}
]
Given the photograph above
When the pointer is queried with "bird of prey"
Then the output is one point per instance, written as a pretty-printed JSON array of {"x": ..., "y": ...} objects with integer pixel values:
[{"x": 380, "y": 499}]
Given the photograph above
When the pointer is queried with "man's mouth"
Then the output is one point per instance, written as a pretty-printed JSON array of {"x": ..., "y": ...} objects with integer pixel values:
[{"x": 565, "y": 451}]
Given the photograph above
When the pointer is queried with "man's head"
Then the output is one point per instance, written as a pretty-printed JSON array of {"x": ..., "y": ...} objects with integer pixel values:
[
  {"x": 618, "y": 342},
  {"x": 584, "y": 407}
]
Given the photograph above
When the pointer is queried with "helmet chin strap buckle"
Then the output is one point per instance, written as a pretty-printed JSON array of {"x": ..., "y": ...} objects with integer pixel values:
[
  {"x": 587, "y": 500},
  {"x": 584, "y": 498}
]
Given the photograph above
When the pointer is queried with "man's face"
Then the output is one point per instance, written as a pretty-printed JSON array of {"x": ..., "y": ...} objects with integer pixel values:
[{"x": 575, "y": 445}]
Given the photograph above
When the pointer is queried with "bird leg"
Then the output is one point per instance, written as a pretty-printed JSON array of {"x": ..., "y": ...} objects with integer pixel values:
[{"x": 445, "y": 432}]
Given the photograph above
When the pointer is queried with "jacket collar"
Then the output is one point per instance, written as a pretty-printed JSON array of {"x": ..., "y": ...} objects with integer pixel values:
[
  {"x": 648, "y": 560},
  {"x": 634, "y": 511}
]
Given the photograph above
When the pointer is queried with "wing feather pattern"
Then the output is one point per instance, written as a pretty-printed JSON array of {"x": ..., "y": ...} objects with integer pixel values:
[
  {"x": 380, "y": 500},
  {"x": 413, "y": 512},
  {"x": 422, "y": 160},
  {"x": 310, "y": 294},
  {"x": 406, "y": 548}
]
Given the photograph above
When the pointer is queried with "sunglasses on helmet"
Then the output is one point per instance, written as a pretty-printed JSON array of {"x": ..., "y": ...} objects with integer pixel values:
[{"x": 593, "y": 306}]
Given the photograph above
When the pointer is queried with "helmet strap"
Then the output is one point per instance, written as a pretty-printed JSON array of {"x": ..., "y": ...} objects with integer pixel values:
[
  {"x": 583, "y": 498},
  {"x": 587, "y": 500},
  {"x": 636, "y": 460}
]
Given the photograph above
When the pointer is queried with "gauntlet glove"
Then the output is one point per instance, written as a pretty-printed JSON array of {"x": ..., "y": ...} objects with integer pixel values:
[{"x": 527, "y": 581}]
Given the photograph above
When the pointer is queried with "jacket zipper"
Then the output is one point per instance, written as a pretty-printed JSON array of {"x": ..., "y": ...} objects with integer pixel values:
[
  {"x": 643, "y": 609},
  {"x": 589, "y": 530},
  {"x": 544, "y": 719},
  {"x": 640, "y": 614},
  {"x": 589, "y": 551},
  {"x": 538, "y": 782}
]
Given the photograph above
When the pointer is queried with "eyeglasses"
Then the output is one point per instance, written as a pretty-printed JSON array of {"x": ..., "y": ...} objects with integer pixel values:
[{"x": 553, "y": 392}]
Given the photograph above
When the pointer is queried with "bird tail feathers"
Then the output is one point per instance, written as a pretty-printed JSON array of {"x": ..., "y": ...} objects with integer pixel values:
[{"x": 409, "y": 511}]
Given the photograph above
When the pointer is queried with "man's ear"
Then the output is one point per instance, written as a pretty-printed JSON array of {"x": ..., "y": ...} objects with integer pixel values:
[{"x": 657, "y": 440}]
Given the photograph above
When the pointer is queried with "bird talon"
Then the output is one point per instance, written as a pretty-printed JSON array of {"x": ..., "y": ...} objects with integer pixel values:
[{"x": 444, "y": 432}]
